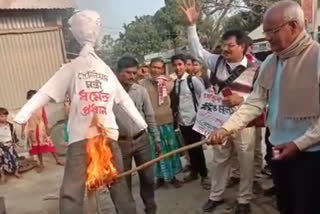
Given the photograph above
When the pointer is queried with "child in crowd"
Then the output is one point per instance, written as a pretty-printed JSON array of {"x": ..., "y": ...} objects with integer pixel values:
[
  {"x": 8, "y": 156},
  {"x": 38, "y": 137}
]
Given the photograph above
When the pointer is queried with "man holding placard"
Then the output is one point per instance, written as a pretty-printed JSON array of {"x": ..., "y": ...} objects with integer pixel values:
[{"x": 231, "y": 75}]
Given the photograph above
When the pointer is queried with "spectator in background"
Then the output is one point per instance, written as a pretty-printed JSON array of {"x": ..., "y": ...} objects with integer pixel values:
[
  {"x": 134, "y": 143},
  {"x": 142, "y": 73},
  {"x": 159, "y": 87},
  {"x": 9, "y": 162},
  {"x": 186, "y": 93},
  {"x": 217, "y": 50},
  {"x": 200, "y": 72},
  {"x": 189, "y": 64},
  {"x": 38, "y": 135},
  {"x": 197, "y": 69}
]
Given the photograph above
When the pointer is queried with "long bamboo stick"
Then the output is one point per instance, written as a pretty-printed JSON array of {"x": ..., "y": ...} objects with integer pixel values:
[{"x": 149, "y": 163}]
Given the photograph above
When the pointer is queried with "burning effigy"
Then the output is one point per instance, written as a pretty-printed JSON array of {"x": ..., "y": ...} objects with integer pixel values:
[{"x": 101, "y": 170}]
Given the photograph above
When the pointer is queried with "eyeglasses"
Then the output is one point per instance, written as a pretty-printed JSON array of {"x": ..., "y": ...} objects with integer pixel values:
[
  {"x": 228, "y": 46},
  {"x": 276, "y": 29}
]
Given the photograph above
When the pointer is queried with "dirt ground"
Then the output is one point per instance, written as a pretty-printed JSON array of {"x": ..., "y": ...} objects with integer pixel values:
[{"x": 37, "y": 194}]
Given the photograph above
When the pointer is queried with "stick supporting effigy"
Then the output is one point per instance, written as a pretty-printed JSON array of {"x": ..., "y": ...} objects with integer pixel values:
[{"x": 149, "y": 163}]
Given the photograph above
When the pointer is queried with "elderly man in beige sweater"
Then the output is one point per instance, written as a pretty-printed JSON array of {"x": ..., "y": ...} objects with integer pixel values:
[{"x": 289, "y": 85}]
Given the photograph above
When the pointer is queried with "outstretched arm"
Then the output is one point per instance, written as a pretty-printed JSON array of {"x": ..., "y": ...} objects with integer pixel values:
[
  {"x": 37, "y": 101},
  {"x": 192, "y": 15},
  {"x": 56, "y": 89}
]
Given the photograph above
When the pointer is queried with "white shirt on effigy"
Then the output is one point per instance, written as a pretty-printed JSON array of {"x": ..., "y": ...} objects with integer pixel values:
[{"x": 93, "y": 88}]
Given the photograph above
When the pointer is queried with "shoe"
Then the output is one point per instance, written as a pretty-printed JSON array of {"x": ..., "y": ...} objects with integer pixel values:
[
  {"x": 270, "y": 192},
  {"x": 176, "y": 183},
  {"x": 256, "y": 188},
  {"x": 151, "y": 210},
  {"x": 233, "y": 182},
  {"x": 191, "y": 177},
  {"x": 243, "y": 209},
  {"x": 206, "y": 183},
  {"x": 210, "y": 205}
]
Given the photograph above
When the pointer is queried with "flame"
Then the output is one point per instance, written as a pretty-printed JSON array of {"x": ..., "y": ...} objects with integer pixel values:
[{"x": 100, "y": 171}]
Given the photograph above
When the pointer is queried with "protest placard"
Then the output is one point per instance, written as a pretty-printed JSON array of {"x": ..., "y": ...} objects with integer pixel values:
[{"x": 212, "y": 113}]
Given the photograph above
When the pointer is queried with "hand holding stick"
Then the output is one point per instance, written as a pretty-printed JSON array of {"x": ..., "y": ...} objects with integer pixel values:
[{"x": 149, "y": 163}]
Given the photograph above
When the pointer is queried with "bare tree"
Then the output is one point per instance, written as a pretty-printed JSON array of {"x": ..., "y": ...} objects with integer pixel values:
[{"x": 216, "y": 12}]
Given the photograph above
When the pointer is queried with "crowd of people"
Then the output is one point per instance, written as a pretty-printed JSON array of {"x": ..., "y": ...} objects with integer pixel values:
[{"x": 148, "y": 113}]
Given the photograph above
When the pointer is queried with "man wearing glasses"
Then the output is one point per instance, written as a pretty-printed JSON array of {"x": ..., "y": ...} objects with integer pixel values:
[
  {"x": 221, "y": 68},
  {"x": 289, "y": 84}
]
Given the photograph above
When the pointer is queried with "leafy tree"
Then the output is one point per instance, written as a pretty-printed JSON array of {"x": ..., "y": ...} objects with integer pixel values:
[
  {"x": 140, "y": 37},
  {"x": 244, "y": 20},
  {"x": 105, "y": 50},
  {"x": 170, "y": 25}
]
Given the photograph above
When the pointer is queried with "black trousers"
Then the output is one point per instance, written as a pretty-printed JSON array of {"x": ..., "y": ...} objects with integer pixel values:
[
  {"x": 197, "y": 158},
  {"x": 297, "y": 184},
  {"x": 268, "y": 156}
]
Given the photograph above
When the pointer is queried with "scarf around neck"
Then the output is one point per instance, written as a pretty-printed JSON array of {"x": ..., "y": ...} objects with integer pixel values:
[
  {"x": 299, "y": 86},
  {"x": 161, "y": 83}
]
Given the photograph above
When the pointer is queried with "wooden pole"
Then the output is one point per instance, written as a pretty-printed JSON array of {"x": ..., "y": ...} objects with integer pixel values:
[{"x": 149, "y": 163}]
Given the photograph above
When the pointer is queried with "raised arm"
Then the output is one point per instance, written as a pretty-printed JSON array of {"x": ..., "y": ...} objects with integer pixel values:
[
  {"x": 192, "y": 15},
  {"x": 37, "y": 101}
]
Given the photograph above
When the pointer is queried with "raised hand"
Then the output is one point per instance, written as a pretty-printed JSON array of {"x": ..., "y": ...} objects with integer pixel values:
[{"x": 190, "y": 11}]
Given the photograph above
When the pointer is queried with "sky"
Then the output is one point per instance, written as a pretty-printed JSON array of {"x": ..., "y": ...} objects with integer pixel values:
[{"x": 117, "y": 12}]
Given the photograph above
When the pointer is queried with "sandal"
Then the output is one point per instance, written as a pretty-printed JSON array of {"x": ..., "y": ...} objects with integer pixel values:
[
  {"x": 176, "y": 183},
  {"x": 206, "y": 183}
]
